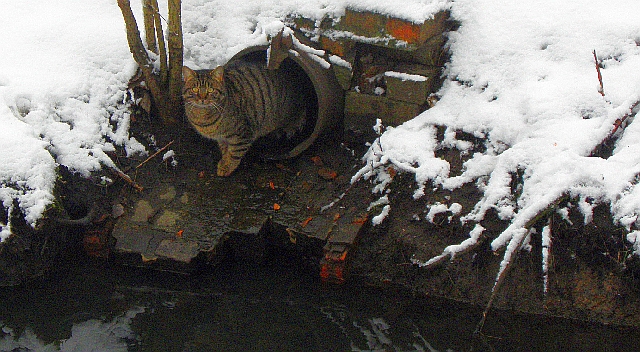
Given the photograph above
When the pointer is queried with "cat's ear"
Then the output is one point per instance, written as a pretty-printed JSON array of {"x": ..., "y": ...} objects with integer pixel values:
[
  {"x": 188, "y": 74},
  {"x": 217, "y": 74}
]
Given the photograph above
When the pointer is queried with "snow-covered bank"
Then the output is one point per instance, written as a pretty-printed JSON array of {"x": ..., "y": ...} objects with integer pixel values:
[
  {"x": 522, "y": 78},
  {"x": 64, "y": 70}
]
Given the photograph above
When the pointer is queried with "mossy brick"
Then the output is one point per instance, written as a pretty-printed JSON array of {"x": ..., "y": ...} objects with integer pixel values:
[
  {"x": 391, "y": 112},
  {"x": 432, "y": 52},
  {"x": 342, "y": 47},
  {"x": 407, "y": 88},
  {"x": 343, "y": 75}
]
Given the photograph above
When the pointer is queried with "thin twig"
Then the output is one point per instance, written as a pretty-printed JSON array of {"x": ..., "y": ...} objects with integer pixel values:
[
  {"x": 128, "y": 179},
  {"x": 154, "y": 154},
  {"x": 595, "y": 58}
]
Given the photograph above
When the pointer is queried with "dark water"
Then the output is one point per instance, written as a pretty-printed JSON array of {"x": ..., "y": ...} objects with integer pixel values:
[{"x": 98, "y": 307}]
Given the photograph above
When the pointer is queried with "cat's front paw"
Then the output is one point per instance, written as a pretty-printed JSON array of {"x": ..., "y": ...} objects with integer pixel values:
[{"x": 226, "y": 168}]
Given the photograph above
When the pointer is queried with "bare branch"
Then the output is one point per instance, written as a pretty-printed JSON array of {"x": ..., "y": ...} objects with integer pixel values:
[
  {"x": 149, "y": 27},
  {"x": 154, "y": 154},
  {"x": 162, "y": 50},
  {"x": 595, "y": 58}
]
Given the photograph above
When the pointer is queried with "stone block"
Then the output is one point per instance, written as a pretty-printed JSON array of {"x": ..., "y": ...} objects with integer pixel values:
[
  {"x": 405, "y": 87},
  {"x": 432, "y": 52},
  {"x": 178, "y": 250},
  {"x": 343, "y": 75}
]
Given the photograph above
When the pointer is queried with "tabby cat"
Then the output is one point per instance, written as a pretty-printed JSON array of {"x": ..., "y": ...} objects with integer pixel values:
[{"x": 240, "y": 102}]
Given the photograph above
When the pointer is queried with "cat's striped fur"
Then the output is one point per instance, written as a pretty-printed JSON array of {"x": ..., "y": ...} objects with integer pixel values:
[{"x": 239, "y": 103}]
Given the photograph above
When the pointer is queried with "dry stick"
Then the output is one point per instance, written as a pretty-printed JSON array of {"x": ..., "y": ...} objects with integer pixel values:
[
  {"x": 503, "y": 274},
  {"x": 442, "y": 258},
  {"x": 161, "y": 46},
  {"x": 128, "y": 179},
  {"x": 154, "y": 154},
  {"x": 595, "y": 58},
  {"x": 621, "y": 120}
]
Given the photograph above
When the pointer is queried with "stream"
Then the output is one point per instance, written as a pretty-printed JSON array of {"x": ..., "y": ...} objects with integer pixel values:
[{"x": 97, "y": 306}]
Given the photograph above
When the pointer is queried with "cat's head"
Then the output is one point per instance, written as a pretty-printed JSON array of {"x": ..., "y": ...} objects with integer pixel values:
[{"x": 204, "y": 87}]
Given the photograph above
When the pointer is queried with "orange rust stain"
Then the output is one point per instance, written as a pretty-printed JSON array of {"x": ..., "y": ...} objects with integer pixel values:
[
  {"x": 324, "y": 272},
  {"x": 342, "y": 256},
  {"x": 360, "y": 220},
  {"x": 338, "y": 274},
  {"x": 334, "y": 47},
  {"x": 317, "y": 160},
  {"x": 402, "y": 30}
]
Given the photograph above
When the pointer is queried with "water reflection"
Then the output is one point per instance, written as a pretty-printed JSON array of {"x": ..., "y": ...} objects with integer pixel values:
[
  {"x": 103, "y": 308},
  {"x": 248, "y": 308},
  {"x": 91, "y": 335}
]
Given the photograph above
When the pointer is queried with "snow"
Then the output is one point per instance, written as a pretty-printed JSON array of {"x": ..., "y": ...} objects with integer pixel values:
[
  {"x": 405, "y": 76},
  {"x": 63, "y": 75},
  {"x": 546, "y": 255},
  {"x": 522, "y": 78},
  {"x": 438, "y": 208}
]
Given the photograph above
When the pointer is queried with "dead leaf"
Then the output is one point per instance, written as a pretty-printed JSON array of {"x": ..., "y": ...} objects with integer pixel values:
[
  {"x": 276, "y": 206},
  {"x": 271, "y": 185},
  {"x": 392, "y": 172},
  {"x": 180, "y": 233},
  {"x": 201, "y": 174},
  {"x": 327, "y": 174},
  {"x": 336, "y": 217},
  {"x": 306, "y": 222}
]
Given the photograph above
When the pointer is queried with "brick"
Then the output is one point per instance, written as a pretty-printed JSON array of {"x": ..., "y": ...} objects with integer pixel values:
[
  {"x": 341, "y": 47},
  {"x": 391, "y": 112},
  {"x": 373, "y": 25}
]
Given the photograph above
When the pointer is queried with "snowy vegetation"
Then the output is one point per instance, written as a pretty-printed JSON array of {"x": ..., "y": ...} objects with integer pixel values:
[{"x": 522, "y": 80}]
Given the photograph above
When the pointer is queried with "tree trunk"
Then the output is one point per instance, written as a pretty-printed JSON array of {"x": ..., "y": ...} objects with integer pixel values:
[
  {"x": 175, "y": 53},
  {"x": 167, "y": 96}
]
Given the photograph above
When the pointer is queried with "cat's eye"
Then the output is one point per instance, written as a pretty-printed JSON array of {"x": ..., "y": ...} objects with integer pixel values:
[
  {"x": 195, "y": 90},
  {"x": 209, "y": 90}
]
